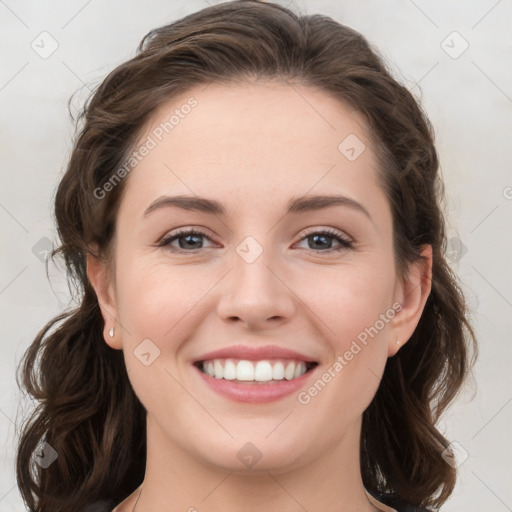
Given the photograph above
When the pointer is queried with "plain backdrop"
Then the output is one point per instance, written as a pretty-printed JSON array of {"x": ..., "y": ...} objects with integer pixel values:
[{"x": 454, "y": 55}]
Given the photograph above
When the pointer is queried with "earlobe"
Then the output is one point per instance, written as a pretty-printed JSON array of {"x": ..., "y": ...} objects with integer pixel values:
[
  {"x": 101, "y": 282},
  {"x": 412, "y": 294}
]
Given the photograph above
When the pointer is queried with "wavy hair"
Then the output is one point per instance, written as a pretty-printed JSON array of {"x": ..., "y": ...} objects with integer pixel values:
[{"x": 88, "y": 411}]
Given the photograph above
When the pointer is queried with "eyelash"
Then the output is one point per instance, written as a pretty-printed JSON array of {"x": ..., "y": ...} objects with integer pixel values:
[{"x": 345, "y": 243}]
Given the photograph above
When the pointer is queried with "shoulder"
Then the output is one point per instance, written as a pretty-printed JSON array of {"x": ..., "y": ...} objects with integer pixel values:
[{"x": 398, "y": 504}]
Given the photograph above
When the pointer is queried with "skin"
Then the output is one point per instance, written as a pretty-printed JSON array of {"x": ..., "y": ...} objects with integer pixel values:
[{"x": 252, "y": 147}]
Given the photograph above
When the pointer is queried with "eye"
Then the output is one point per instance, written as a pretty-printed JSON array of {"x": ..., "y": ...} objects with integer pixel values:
[
  {"x": 192, "y": 239},
  {"x": 187, "y": 239},
  {"x": 320, "y": 239}
]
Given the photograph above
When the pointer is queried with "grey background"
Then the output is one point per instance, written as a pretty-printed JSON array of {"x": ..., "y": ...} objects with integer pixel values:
[{"x": 468, "y": 97}]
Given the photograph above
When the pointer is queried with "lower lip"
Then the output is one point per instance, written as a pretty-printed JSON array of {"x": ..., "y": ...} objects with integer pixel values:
[{"x": 255, "y": 393}]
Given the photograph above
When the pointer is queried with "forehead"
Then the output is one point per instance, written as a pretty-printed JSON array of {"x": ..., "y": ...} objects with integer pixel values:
[{"x": 265, "y": 140}]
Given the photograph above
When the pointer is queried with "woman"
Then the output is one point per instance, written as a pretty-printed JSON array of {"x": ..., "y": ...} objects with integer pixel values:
[{"x": 266, "y": 319}]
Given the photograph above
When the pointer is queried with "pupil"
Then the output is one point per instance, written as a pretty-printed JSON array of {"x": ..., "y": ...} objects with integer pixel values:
[
  {"x": 188, "y": 238},
  {"x": 316, "y": 237}
]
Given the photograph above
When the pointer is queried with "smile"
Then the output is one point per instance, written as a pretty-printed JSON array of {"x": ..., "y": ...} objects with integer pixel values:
[
  {"x": 266, "y": 380},
  {"x": 255, "y": 371}
]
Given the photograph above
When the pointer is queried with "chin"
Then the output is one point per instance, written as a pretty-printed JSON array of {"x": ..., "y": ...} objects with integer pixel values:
[{"x": 255, "y": 454}]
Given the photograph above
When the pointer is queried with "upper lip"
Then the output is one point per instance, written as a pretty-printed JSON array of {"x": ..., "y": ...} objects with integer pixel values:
[{"x": 254, "y": 353}]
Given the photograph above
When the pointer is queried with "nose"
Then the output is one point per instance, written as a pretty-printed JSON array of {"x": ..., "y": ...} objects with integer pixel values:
[{"x": 256, "y": 294}]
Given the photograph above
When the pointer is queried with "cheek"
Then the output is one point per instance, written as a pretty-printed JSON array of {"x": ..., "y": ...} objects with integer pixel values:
[
  {"x": 158, "y": 300},
  {"x": 354, "y": 304},
  {"x": 349, "y": 299},
  {"x": 159, "y": 303}
]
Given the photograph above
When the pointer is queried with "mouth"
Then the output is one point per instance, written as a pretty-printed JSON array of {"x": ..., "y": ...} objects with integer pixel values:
[{"x": 244, "y": 371}]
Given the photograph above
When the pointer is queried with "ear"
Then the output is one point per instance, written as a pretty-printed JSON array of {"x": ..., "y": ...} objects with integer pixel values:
[
  {"x": 412, "y": 294},
  {"x": 101, "y": 281}
]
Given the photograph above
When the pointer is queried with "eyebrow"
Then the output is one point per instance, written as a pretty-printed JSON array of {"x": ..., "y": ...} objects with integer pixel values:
[{"x": 294, "y": 205}]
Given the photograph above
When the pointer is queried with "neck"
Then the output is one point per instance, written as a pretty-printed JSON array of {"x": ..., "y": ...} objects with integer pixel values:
[{"x": 329, "y": 482}]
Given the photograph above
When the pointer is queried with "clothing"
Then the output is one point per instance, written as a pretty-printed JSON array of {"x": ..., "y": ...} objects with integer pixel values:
[{"x": 396, "y": 503}]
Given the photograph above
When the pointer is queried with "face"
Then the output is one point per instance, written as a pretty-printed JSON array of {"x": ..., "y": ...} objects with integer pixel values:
[{"x": 266, "y": 267}]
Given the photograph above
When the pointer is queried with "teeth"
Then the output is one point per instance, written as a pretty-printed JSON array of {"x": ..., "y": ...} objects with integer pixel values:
[
  {"x": 263, "y": 371},
  {"x": 210, "y": 369},
  {"x": 289, "y": 373},
  {"x": 259, "y": 371},
  {"x": 244, "y": 371},
  {"x": 278, "y": 371},
  {"x": 229, "y": 370},
  {"x": 218, "y": 370}
]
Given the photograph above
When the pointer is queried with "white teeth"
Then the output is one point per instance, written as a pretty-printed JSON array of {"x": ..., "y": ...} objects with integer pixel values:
[
  {"x": 244, "y": 371},
  {"x": 298, "y": 370},
  {"x": 219, "y": 372},
  {"x": 289, "y": 373},
  {"x": 278, "y": 371},
  {"x": 210, "y": 369},
  {"x": 260, "y": 371},
  {"x": 263, "y": 371},
  {"x": 229, "y": 370}
]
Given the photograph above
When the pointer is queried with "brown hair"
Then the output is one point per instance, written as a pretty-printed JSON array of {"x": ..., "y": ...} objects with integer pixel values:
[{"x": 88, "y": 410}]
